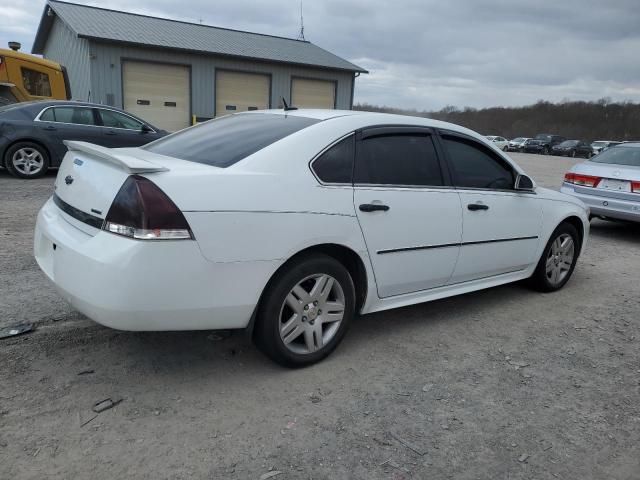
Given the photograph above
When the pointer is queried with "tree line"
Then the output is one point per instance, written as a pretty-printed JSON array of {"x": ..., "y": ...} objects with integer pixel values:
[{"x": 599, "y": 120}]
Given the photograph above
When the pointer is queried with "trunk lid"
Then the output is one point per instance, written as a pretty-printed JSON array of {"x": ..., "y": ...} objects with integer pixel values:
[{"x": 90, "y": 177}]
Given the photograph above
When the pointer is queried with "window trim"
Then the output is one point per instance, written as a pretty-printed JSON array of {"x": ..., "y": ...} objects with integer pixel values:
[
  {"x": 373, "y": 131},
  {"x": 452, "y": 133},
  {"x": 323, "y": 151},
  {"x": 95, "y": 117}
]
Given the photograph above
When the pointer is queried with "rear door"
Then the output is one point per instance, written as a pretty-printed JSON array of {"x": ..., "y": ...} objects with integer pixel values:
[
  {"x": 501, "y": 226},
  {"x": 410, "y": 217},
  {"x": 70, "y": 123}
]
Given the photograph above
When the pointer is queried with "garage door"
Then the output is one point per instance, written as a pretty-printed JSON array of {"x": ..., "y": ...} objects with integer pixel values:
[
  {"x": 157, "y": 93},
  {"x": 307, "y": 93},
  {"x": 239, "y": 92}
]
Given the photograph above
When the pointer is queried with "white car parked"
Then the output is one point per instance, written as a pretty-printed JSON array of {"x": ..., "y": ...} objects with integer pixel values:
[
  {"x": 290, "y": 222},
  {"x": 500, "y": 142}
]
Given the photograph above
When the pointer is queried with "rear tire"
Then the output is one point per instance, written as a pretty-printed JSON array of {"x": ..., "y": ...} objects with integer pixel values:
[
  {"x": 291, "y": 327},
  {"x": 26, "y": 160},
  {"x": 558, "y": 259}
]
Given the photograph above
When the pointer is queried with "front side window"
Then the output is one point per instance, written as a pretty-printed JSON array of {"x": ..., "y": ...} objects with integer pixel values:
[
  {"x": 229, "y": 139},
  {"x": 403, "y": 160},
  {"x": 36, "y": 83},
  {"x": 336, "y": 164},
  {"x": 77, "y": 115},
  {"x": 475, "y": 166},
  {"x": 118, "y": 120}
]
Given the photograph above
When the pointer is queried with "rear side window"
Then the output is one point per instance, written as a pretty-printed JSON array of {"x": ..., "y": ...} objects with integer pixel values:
[
  {"x": 36, "y": 83},
  {"x": 77, "y": 115},
  {"x": 336, "y": 164},
  {"x": 227, "y": 140},
  {"x": 475, "y": 166},
  {"x": 404, "y": 160}
]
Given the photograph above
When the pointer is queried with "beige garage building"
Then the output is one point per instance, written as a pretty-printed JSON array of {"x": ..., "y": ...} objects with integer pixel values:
[{"x": 173, "y": 73}]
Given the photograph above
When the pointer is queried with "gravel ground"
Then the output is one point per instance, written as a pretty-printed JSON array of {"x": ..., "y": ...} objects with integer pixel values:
[{"x": 504, "y": 383}]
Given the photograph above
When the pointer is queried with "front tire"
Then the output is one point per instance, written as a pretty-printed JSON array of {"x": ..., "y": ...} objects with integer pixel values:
[
  {"x": 558, "y": 259},
  {"x": 545, "y": 151},
  {"x": 305, "y": 311},
  {"x": 26, "y": 160}
]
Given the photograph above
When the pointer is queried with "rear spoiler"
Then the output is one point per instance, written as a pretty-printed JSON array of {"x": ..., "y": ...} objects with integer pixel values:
[{"x": 128, "y": 163}]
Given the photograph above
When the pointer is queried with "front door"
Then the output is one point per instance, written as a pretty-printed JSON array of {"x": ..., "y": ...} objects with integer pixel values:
[
  {"x": 411, "y": 220},
  {"x": 501, "y": 226}
]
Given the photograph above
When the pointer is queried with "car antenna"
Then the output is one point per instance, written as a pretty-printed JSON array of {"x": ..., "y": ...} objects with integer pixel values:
[{"x": 286, "y": 106}]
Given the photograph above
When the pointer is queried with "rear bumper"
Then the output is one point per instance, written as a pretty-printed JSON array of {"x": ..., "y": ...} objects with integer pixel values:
[
  {"x": 605, "y": 206},
  {"x": 140, "y": 285}
]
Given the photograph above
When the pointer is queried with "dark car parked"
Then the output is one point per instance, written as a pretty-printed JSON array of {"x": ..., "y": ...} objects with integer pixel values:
[
  {"x": 546, "y": 142},
  {"x": 573, "y": 148},
  {"x": 532, "y": 146},
  {"x": 31, "y": 133}
]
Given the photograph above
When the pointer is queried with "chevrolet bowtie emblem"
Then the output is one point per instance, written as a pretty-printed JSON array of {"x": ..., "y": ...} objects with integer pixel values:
[{"x": 68, "y": 179}]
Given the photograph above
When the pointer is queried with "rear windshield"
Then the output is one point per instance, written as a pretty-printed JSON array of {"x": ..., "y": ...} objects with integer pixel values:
[
  {"x": 619, "y": 156},
  {"x": 227, "y": 140}
]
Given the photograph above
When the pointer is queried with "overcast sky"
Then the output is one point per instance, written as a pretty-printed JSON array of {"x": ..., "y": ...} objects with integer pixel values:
[{"x": 426, "y": 54}]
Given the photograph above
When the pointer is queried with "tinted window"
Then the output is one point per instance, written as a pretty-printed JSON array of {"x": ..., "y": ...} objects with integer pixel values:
[
  {"x": 36, "y": 83},
  {"x": 619, "y": 155},
  {"x": 474, "y": 166},
  {"x": 118, "y": 120},
  {"x": 227, "y": 140},
  {"x": 336, "y": 164},
  {"x": 48, "y": 116},
  {"x": 77, "y": 115},
  {"x": 398, "y": 160}
]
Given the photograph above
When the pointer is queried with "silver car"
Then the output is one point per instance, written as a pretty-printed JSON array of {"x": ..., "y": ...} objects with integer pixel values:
[{"x": 609, "y": 183}]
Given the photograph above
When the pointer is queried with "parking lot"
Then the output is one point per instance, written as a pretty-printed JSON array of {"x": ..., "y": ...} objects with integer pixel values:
[{"x": 502, "y": 383}]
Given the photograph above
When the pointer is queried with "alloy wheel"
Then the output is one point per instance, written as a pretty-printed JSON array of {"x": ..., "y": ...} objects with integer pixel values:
[
  {"x": 560, "y": 259},
  {"x": 28, "y": 161},
  {"x": 311, "y": 313}
]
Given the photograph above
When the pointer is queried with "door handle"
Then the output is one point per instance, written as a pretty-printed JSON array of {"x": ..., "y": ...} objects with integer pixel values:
[
  {"x": 49, "y": 127},
  {"x": 111, "y": 132},
  {"x": 477, "y": 206},
  {"x": 373, "y": 207}
]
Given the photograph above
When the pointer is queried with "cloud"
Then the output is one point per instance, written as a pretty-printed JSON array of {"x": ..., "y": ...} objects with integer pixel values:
[{"x": 425, "y": 54}]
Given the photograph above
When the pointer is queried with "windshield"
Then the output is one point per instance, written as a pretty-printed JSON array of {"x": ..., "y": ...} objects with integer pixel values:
[
  {"x": 543, "y": 137},
  {"x": 517, "y": 140},
  {"x": 569, "y": 143},
  {"x": 227, "y": 140},
  {"x": 629, "y": 156},
  {"x": 599, "y": 144},
  {"x": 489, "y": 138}
]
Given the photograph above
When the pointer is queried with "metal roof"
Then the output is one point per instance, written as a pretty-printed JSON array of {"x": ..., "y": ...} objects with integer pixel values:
[{"x": 115, "y": 26}]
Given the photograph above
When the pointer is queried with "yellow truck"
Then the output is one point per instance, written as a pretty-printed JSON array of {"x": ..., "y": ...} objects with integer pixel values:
[{"x": 26, "y": 77}]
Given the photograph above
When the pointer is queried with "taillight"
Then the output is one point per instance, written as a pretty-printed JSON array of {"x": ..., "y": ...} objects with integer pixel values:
[
  {"x": 142, "y": 211},
  {"x": 635, "y": 187},
  {"x": 582, "y": 180}
]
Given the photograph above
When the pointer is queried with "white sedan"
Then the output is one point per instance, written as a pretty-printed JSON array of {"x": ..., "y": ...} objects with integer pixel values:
[
  {"x": 500, "y": 142},
  {"x": 288, "y": 223}
]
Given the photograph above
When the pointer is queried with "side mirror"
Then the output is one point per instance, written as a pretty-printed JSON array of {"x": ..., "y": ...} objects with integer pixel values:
[
  {"x": 145, "y": 128},
  {"x": 524, "y": 183}
]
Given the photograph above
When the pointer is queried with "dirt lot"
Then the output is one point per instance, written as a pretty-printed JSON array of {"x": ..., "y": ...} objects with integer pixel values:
[{"x": 505, "y": 383}]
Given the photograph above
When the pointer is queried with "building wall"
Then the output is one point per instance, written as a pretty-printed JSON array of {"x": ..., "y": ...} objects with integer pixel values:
[
  {"x": 106, "y": 75},
  {"x": 64, "y": 47}
]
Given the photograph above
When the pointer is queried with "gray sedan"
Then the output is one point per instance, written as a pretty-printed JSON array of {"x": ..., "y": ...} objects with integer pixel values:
[{"x": 609, "y": 183}]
